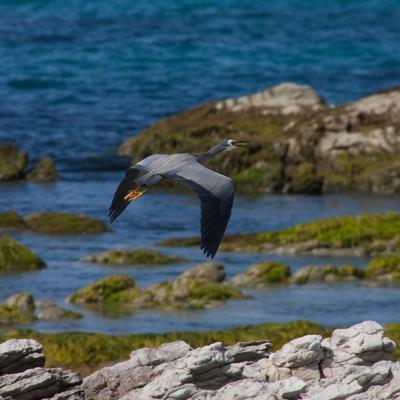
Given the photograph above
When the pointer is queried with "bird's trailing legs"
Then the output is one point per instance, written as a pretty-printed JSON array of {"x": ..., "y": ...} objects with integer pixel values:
[{"x": 134, "y": 194}]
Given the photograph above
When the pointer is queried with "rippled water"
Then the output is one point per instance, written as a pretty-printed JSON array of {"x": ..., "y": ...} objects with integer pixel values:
[
  {"x": 77, "y": 77},
  {"x": 162, "y": 215}
]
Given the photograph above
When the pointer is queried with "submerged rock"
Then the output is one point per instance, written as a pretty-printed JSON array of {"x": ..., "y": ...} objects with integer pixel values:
[
  {"x": 22, "y": 301},
  {"x": 265, "y": 273},
  {"x": 197, "y": 288},
  {"x": 44, "y": 171},
  {"x": 14, "y": 257},
  {"x": 64, "y": 223},
  {"x": 12, "y": 162},
  {"x": 132, "y": 257}
]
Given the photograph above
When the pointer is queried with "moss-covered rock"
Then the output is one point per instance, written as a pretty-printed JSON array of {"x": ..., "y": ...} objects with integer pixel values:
[
  {"x": 64, "y": 223},
  {"x": 197, "y": 288},
  {"x": 365, "y": 234},
  {"x": 384, "y": 269},
  {"x": 111, "y": 289},
  {"x": 11, "y": 220},
  {"x": 327, "y": 274},
  {"x": 265, "y": 273},
  {"x": 14, "y": 257},
  {"x": 44, "y": 171},
  {"x": 12, "y": 162},
  {"x": 133, "y": 257}
]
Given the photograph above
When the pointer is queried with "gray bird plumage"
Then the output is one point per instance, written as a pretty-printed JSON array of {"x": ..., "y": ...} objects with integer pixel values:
[{"x": 214, "y": 190}]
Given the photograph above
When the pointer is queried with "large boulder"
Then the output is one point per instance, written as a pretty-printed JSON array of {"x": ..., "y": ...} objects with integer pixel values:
[{"x": 12, "y": 162}]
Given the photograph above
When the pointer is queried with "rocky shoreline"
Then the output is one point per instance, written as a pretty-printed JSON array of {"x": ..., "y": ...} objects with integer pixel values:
[
  {"x": 298, "y": 143},
  {"x": 352, "y": 364}
]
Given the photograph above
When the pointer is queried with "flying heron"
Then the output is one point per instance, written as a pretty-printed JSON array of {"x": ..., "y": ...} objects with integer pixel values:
[{"x": 214, "y": 190}]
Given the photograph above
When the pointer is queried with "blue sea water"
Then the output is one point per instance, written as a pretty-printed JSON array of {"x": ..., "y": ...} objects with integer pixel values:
[{"x": 77, "y": 77}]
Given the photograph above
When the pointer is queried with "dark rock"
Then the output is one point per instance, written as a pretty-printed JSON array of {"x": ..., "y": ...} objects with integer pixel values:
[
  {"x": 44, "y": 171},
  {"x": 12, "y": 162}
]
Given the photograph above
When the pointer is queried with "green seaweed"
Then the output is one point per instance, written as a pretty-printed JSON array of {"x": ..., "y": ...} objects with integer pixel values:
[
  {"x": 386, "y": 265},
  {"x": 133, "y": 257},
  {"x": 11, "y": 220},
  {"x": 14, "y": 257},
  {"x": 64, "y": 223}
]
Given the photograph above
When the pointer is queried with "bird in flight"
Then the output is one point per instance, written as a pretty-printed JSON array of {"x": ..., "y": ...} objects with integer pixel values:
[{"x": 214, "y": 190}]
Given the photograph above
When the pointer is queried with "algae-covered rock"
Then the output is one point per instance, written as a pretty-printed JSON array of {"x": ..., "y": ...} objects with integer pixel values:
[
  {"x": 197, "y": 288},
  {"x": 12, "y": 162},
  {"x": 265, "y": 273},
  {"x": 132, "y": 257},
  {"x": 384, "y": 270},
  {"x": 14, "y": 257},
  {"x": 111, "y": 289},
  {"x": 326, "y": 274},
  {"x": 348, "y": 235},
  {"x": 44, "y": 171},
  {"x": 64, "y": 223},
  {"x": 11, "y": 220}
]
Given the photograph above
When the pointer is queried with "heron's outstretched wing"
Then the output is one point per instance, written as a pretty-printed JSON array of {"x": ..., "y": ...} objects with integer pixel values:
[
  {"x": 216, "y": 195},
  {"x": 137, "y": 180}
]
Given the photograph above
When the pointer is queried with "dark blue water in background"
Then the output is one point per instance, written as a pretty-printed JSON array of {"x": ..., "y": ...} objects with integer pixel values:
[{"x": 77, "y": 77}]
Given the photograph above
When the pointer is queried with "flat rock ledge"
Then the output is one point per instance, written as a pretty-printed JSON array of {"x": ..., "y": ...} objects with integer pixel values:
[
  {"x": 23, "y": 376},
  {"x": 353, "y": 364}
]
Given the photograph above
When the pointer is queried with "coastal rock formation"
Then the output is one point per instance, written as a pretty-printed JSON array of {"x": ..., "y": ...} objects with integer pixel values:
[
  {"x": 23, "y": 377},
  {"x": 199, "y": 287},
  {"x": 297, "y": 143},
  {"x": 353, "y": 364},
  {"x": 122, "y": 257},
  {"x": 44, "y": 171}
]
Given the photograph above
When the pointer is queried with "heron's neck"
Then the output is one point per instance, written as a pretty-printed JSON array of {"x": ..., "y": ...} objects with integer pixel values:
[{"x": 210, "y": 153}]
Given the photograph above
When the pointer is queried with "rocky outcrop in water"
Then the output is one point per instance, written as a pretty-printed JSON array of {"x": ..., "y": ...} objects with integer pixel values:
[
  {"x": 353, "y": 364},
  {"x": 57, "y": 223},
  {"x": 198, "y": 287},
  {"x": 14, "y": 163},
  {"x": 298, "y": 144},
  {"x": 23, "y": 376}
]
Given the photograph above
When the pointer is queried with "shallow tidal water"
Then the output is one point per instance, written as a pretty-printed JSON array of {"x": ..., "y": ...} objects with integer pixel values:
[
  {"x": 163, "y": 215},
  {"x": 78, "y": 76}
]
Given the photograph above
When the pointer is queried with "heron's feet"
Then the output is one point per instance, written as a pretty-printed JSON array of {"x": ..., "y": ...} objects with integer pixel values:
[{"x": 134, "y": 194}]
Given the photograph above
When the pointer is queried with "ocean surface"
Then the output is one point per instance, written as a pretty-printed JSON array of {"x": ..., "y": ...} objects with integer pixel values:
[{"x": 77, "y": 77}]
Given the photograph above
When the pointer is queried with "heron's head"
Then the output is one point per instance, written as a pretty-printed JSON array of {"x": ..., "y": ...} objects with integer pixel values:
[{"x": 231, "y": 144}]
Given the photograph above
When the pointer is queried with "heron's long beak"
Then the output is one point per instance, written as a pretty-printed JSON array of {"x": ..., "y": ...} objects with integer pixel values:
[{"x": 241, "y": 143}]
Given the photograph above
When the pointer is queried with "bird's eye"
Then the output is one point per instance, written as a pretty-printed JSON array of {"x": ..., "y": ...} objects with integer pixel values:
[{"x": 230, "y": 142}]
